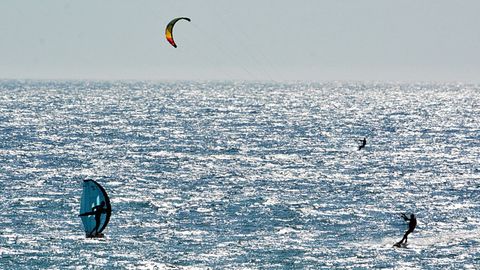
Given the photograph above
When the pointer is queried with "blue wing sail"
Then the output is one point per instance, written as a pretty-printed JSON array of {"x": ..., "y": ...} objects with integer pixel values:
[{"x": 93, "y": 195}]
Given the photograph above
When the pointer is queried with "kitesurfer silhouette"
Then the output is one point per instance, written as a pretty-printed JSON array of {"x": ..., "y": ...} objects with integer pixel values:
[
  {"x": 97, "y": 211},
  {"x": 411, "y": 226},
  {"x": 364, "y": 142}
]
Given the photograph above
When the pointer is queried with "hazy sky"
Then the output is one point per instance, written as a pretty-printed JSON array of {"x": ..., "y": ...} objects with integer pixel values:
[{"x": 402, "y": 40}]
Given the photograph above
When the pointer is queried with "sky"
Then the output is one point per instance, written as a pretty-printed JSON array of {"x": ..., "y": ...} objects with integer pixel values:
[{"x": 280, "y": 40}]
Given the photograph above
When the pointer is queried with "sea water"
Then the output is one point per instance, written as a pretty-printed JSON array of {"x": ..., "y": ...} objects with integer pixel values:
[{"x": 241, "y": 175}]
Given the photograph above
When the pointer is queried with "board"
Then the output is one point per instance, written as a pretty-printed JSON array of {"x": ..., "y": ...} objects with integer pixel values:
[{"x": 400, "y": 245}]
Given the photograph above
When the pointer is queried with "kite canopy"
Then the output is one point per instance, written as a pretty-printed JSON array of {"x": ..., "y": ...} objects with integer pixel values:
[
  {"x": 93, "y": 195},
  {"x": 169, "y": 30}
]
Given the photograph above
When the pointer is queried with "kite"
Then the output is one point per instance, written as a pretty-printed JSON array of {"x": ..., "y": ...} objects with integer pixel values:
[{"x": 169, "y": 30}]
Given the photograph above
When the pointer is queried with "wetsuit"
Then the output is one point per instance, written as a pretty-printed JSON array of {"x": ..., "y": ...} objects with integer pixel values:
[
  {"x": 97, "y": 211},
  {"x": 411, "y": 226},
  {"x": 364, "y": 142}
]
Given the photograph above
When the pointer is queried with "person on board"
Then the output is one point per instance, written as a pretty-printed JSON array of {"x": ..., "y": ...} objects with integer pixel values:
[
  {"x": 364, "y": 142},
  {"x": 411, "y": 226},
  {"x": 97, "y": 211}
]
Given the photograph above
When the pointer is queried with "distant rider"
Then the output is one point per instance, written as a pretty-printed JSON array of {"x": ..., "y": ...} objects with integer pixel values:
[
  {"x": 97, "y": 211},
  {"x": 411, "y": 226},
  {"x": 364, "y": 142}
]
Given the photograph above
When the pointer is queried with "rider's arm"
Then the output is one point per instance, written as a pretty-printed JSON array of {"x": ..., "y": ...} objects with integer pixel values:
[{"x": 86, "y": 214}]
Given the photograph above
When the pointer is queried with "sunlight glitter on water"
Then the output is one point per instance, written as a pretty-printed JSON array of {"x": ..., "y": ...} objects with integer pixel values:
[{"x": 240, "y": 175}]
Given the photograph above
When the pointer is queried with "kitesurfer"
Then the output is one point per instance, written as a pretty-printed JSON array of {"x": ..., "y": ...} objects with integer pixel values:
[
  {"x": 364, "y": 142},
  {"x": 411, "y": 226},
  {"x": 97, "y": 211}
]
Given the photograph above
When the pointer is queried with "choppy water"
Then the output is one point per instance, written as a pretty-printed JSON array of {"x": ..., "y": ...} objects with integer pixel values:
[{"x": 241, "y": 175}]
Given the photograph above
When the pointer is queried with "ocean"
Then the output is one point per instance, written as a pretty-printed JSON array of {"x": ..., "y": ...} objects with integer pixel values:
[{"x": 241, "y": 175}]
